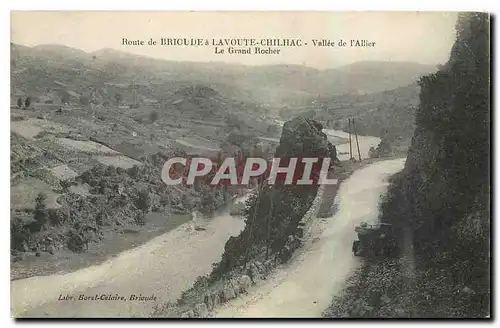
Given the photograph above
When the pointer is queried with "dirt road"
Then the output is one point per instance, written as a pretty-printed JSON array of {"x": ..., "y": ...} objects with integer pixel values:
[{"x": 305, "y": 286}]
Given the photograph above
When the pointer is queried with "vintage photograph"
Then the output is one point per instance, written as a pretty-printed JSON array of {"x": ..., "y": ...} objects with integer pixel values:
[{"x": 213, "y": 165}]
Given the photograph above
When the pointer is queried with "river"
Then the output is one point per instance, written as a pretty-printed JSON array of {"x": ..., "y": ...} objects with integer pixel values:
[
  {"x": 341, "y": 141},
  {"x": 304, "y": 287},
  {"x": 163, "y": 268}
]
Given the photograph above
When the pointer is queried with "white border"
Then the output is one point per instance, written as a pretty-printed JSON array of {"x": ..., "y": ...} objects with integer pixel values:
[{"x": 312, "y": 5}]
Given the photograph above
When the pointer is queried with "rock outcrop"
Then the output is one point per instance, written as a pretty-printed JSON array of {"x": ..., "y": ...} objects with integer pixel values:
[
  {"x": 276, "y": 222},
  {"x": 439, "y": 204},
  {"x": 275, "y": 213}
]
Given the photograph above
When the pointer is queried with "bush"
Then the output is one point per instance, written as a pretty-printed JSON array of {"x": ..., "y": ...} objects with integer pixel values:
[
  {"x": 56, "y": 217},
  {"x": 75, "y": 242},
  {"x": 143, "y": 201},
  {"x": 18, "y": 233},
  {"x": 27, "y": 102},
  {"x": 65, "y": 97}
]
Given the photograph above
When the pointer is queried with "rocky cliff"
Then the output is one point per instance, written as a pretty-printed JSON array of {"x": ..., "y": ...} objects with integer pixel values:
[
  {"x": 273, "y": 214},
  {"x": 440, "y": 202},
  {"x": 445, "y": 184}
]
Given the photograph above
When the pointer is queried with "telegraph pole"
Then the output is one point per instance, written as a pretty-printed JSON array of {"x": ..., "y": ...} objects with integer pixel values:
[
  {"x": 357, "y": 143},
  {"x": 350, "y": 143}
]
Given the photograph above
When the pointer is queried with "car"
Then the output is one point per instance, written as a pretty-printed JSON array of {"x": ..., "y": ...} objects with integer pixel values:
[{"x": 375, "y": 240}]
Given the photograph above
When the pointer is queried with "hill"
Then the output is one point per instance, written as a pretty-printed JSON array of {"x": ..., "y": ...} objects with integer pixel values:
[
  {"x": 274, "y": 86},
  {"x": 92, "y": 130},
  {"x": 388, "y": 114}
]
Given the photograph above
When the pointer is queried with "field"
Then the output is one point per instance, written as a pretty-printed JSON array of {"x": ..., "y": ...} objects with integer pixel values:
[{"x": 53, "y": 150}]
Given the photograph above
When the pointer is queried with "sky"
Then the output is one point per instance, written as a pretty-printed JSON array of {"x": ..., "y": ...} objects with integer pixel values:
[{"x": 423, "y": 37}]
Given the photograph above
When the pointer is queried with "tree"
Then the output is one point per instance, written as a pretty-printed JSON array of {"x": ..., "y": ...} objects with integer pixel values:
[
  {"x": 143, "y": 200},
  {"x": 40, "y": 209},
  {"x": 27, "y": 102},
  {"x": 65, "y": 97},
  {"x": 40, "y": 200},
  {"x": 65, "y": 185},
  {"x": 19, "y": 102},
  {"x": 76, "y": 242}
]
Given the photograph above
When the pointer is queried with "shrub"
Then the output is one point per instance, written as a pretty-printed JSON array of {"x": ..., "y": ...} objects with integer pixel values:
[
  {"x": 143, "y": 201},
  {"x": 18, "y": 233},
  {"x": 27, "y": 102},
  {"x": 75, "y": 242}
]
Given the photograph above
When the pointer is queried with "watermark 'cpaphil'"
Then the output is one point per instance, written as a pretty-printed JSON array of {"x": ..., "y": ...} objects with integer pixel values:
[{"x": 233, "y": 172}]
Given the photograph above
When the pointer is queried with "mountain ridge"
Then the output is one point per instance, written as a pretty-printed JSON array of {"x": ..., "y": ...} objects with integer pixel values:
[{"x": 274, "y": 86}]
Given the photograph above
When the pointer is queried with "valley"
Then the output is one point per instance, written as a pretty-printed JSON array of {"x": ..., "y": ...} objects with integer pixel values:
[{"x": 89, "y": 136}]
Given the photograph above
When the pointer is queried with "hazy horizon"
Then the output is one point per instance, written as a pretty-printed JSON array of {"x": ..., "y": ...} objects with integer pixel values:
[
  {"x": 420, "y": 37},
  {"x": 224, "y": 62}
]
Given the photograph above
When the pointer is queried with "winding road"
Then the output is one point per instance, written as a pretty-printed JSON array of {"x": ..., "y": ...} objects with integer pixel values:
[
  {"x": 168, "y": 264},
  {"x": 304, "y": 287}
]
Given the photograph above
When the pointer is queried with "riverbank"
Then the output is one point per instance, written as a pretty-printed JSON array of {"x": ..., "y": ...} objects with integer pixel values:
[
  {"x": 113, "y": 242},
  {"x": 163, "y": 267}
]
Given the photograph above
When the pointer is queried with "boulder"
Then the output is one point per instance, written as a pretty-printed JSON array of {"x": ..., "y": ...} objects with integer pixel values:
[
  {"x": 244, "y": 283},
  {"x": 253, "y": 273},
  {"x": 229, "y": 293}
]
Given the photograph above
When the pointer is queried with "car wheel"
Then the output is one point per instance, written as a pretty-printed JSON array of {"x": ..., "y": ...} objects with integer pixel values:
[{"x": 356, "y": 247}]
